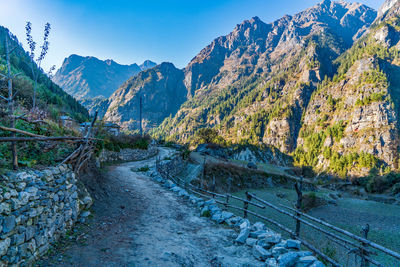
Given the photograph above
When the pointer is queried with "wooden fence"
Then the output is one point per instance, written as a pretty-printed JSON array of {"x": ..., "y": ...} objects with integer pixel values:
[
  {"x": 360, "y": 246},
  {"x": 78, "y": 158}
]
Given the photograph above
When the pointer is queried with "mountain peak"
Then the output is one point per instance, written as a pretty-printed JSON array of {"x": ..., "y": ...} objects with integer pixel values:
[
  {"x": 147, "y": 64},
  {"x": 88, "y": 77}
]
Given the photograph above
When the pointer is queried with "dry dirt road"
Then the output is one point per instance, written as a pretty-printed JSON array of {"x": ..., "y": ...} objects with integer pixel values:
[{"x": 137, "y": 222}]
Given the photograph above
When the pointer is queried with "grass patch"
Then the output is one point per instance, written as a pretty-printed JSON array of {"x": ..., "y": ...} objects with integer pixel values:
[{"x": 141, "y": 169}]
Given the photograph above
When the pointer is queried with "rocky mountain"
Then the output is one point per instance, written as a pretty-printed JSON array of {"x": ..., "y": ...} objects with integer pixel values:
[
  {"x": 320, "y": 86},
  {"x": 89, "y": 77},
  {"x": 352, "y": 121},
  {"x": 255, "y": 83},
  {"x": 162, "y": 91}
]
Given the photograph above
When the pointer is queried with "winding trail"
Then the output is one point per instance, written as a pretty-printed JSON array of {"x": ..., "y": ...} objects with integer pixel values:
[{"x": 137, "y": 222}]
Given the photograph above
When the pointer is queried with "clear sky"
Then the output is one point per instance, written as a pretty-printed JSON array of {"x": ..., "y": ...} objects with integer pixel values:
[{"x": 131, "y": 31}]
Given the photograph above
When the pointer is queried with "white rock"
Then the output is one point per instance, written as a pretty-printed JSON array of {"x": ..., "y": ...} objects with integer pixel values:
[{"x": 244, "y": 234}]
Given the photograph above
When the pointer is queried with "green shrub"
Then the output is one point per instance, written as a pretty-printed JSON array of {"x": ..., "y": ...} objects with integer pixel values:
[{"x": 143, "y": 169}]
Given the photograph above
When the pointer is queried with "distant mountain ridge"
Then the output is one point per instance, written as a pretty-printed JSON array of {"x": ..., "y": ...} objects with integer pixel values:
[
  {"x": 320, "y": 86},
  {"x": 90, "y": 77}
]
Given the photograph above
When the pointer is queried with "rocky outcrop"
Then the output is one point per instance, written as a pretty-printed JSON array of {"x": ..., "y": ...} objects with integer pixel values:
[
  {"x": 89, "y": 77},
  {"x": 162, "y": 91},
  {"x": 359, "y": 106},
  {"x": 37, "y": 207}
]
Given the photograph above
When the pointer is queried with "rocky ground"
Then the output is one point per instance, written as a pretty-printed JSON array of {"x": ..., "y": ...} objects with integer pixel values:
[{"x": 137, "y": 222}]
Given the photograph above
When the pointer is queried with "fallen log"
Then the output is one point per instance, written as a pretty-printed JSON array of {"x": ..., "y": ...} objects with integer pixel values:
[{"x": 19, "y": 131}]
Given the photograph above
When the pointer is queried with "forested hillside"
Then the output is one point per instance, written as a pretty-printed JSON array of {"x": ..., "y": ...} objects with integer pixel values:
[{"x": 50, "y": 97}]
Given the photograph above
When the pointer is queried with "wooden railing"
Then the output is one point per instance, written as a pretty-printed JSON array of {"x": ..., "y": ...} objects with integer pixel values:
[
  {"x": 360, "y": 246},
  {"x": 78, "y": 158}
]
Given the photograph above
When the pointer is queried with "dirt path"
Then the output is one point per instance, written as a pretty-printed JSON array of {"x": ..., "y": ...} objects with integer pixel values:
[{"x": 139, "y": 223}]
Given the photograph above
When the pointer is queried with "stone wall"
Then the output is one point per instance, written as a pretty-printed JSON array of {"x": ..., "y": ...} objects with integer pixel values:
[
  {"x": 36, "y": 208},
  {"x": 171, "y": 167},
  {"x": 127, "y": 154}
]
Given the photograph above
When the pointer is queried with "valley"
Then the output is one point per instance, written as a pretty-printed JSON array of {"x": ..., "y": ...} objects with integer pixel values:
[{"x": 278, "y": 144}]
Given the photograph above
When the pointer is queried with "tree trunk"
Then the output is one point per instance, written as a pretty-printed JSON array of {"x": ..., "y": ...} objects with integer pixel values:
[{"x": 11, "y": 108}]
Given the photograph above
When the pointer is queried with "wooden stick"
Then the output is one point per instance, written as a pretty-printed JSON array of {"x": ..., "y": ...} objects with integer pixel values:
[
  {"x": 30, "y": 139},
  {"x": 19, "y": 131},
  {"x": 71, "y": 155},
  {"x": 84, "y": 161},
  {"x": 250, "y": 202}
]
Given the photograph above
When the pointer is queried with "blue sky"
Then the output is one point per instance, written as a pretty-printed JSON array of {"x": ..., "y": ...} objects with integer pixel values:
[{"x": 129, "y": 31}]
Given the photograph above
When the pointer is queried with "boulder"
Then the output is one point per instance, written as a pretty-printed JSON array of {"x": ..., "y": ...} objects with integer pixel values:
[
  {"x": 270, "y": 239},
  {"x": 277, "y": 251},
  {"x": 258, "y": 226},
  {"x": 245, "y": 224},
  {"x": 233, "y": 220},
  {"x": 251, "y": 241},
  {"x": 258, "y": 233},
  {"x": 217, "y": 217},
  {"x": 271, "y": 262},
  {"x": 305, "y": 261},
  {"x": 260, "y": 253},
  {"x": 288, "y": 259},
  {"x": 293, "y": 244},
  {"x": 210, "y": 202},
  {"x": 243, "y": 235},
  {"x": 226, "y": 215},
  {"x": 317, "y": 264},
  {"x": 169, "y": 184}
]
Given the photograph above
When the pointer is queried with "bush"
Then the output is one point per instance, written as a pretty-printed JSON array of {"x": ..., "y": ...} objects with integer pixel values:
[
  {"x": 311, "y": 200},
  {"x": 116, "y": 143},
  {"x": 379, "y": 184},
  {"x": 143, "y": 169}
]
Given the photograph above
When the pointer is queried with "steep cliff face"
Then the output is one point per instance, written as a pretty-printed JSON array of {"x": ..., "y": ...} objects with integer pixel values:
[
  {"x": 351, "y": 123},
  {"x": 89, "y": 77},
  {"x": 255, "y": 83},
  {"x": 162, "y": 91}
]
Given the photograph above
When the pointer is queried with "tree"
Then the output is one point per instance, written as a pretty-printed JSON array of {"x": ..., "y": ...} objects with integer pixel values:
[
  {"x": 207, "y": 135},
  {"x": 43, "y": 53},
  {"x": 10, "y": 98}
]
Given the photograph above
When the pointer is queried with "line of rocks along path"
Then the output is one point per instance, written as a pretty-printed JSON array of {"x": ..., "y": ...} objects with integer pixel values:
[{"x": 139, "y": 223}]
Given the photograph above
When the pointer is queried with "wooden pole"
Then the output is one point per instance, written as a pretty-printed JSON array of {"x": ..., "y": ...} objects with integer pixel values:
[
  {"x": 13, "y": 130},
  {"x": 14, "y": 151},
  {"x": 299, "y": 188},
  {"x": 364, "y": 253},
  {"x": 246, "y": 205},
  {"x": 29, "y": 139},
  {"x": 140, "y": 116}
]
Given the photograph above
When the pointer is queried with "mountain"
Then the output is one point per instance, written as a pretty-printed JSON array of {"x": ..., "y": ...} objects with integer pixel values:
[
  {"x": 89, "y": 77},
  {"x": 162, "y": 91},
  {"x": 254, "y": 84},
  {"x": 51, "y": 99},
  {"x": 352, "y": 121}
]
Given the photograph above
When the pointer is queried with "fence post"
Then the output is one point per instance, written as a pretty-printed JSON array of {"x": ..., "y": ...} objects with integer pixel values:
[
  {"x": 246, "y": 204},
  {"x": 226, "y": 202},
  {"x": 364, "y": 253},
  {"x": 299, "y": 188}
]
